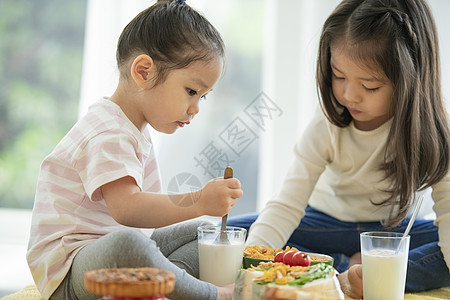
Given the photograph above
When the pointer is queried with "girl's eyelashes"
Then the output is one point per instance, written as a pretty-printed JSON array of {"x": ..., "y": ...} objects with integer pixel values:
[
  {"x": 191, "y": 92},
  {"x": 370, "y": 90},
  {"x": 337, "y": 77},
  {"x": 373, "y": 90}
]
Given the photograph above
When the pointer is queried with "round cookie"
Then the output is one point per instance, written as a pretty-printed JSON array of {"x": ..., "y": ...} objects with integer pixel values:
[{"x": 129, "y": 282}]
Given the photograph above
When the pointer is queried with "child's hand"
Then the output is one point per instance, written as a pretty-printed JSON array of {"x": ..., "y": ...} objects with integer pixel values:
[
  {"x": 351, "y": 282},
  {"x": 218, "y": 196},
  {"x": 225, "y": 292}
]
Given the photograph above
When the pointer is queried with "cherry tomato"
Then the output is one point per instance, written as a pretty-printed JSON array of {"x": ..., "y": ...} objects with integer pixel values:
[
  {"x": 279, "y": 256},
  {"x": 287, "y": 259},
  {"x": 301, "y": 259}
]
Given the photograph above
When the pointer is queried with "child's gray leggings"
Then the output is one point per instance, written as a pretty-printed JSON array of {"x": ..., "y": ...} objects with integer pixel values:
[{"x": 171, "y": 248}]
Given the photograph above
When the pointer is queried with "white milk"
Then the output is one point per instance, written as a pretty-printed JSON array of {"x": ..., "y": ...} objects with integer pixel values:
[
  {"x": 219, "y": 264},
  {"x": 384, "y": 274}
]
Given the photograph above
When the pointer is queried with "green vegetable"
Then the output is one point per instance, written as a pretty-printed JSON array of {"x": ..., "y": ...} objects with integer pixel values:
[{"x": 318, "y": 271}]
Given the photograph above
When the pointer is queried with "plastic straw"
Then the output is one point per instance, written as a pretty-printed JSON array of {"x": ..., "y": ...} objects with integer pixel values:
[{"x": 411, "y": 221}]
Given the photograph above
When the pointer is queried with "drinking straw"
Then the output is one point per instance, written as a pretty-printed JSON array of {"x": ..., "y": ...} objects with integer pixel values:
[{"x": 411, "y": 221}]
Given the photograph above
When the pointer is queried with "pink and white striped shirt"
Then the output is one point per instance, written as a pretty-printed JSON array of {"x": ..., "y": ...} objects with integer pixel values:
[{"x": 69, "y": 210}]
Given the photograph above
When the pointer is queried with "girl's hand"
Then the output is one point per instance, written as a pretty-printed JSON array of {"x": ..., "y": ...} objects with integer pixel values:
[
  {"x": 218, "y": 196},
  {"x": 351, "y": 282},
  {"x": 225, "y": 292}
]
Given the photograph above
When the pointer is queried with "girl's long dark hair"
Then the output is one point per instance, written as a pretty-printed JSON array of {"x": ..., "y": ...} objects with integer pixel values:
[{"x": 400, "y": 38}]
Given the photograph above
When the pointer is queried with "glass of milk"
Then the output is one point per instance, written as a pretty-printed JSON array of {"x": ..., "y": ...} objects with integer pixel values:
[
  {"x": 384, "y": 263},
  {"x": 219, "y": 262}
]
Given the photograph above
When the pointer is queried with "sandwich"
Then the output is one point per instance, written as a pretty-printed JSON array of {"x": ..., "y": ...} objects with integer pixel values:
[{"x": 278, "y": 281}]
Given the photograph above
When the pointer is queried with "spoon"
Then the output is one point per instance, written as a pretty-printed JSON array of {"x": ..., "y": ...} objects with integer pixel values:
[
  {"x": 222, "y": 238},
  {"x": 411, "y": 221}
]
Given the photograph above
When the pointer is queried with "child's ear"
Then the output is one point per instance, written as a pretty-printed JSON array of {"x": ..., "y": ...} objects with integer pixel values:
[{"x": 143, "y": 70}]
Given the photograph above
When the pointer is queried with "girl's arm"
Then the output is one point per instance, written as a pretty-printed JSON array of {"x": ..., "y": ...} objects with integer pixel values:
[
  {"x": 129, "y": 206},
  {"x": 441, "y": 197}
]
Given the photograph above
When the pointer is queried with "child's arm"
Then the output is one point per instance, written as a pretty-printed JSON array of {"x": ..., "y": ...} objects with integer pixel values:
[{"x": 130, "y": 206}]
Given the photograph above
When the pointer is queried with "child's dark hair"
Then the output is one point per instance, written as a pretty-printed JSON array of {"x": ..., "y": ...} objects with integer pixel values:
[
  {"x": 400, "y": 38},
  {"x": 173, "y": 34}
]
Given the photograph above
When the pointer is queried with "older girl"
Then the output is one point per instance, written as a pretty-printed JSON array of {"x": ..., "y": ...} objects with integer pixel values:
[{"x": 381, "y": 138}]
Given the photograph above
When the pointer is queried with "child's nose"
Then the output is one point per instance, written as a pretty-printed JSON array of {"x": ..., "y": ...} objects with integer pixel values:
[
  {"x": 351, "y": 93},
  {"x": 193, "y": 109}
]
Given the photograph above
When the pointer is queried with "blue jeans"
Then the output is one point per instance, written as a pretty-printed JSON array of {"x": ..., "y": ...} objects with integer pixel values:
[{"x": 321, "y": 233}]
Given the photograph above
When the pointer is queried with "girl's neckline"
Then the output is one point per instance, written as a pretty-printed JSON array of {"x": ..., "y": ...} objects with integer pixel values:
[
  {"x": 381, "y": 128},
  {"x": 144, "y": 138}
]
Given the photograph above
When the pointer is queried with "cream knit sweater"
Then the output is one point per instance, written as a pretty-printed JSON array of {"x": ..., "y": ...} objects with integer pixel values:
[{"x": 336, "y": 171}]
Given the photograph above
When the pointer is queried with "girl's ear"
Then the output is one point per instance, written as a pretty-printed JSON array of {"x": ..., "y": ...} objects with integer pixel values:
[{"x": 143, "y": 70}]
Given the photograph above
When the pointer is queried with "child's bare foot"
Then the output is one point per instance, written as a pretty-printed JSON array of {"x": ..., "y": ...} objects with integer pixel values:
[
  {"x": 355, "y": 259},
  {"x": 225, "y": 292}
]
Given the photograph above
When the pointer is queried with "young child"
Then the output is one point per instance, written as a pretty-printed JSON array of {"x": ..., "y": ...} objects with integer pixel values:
[
  {"x": 101, "y": 182},
  {"x": 381, "y": 138}
]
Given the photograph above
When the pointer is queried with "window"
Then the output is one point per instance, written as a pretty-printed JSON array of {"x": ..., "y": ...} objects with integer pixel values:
[
  {"x": 40, "y": 61},
  {"x": 41, "y": 52}
]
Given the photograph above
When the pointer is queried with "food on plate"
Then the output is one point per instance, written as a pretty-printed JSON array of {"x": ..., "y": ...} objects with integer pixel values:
[
  {"x": 138, "y": 283},
  {"x": 278, "y": 281},
  {"x": 253, "y": 255},
  {"x": 262, "y": 252},
  {"x": 293, "y": 258},
  {"x": 301, "y": 259},
  {"x": 280, "y": 273},
  {"x": 279, "y": 256},
  {"x": 287, "y": 258}
]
